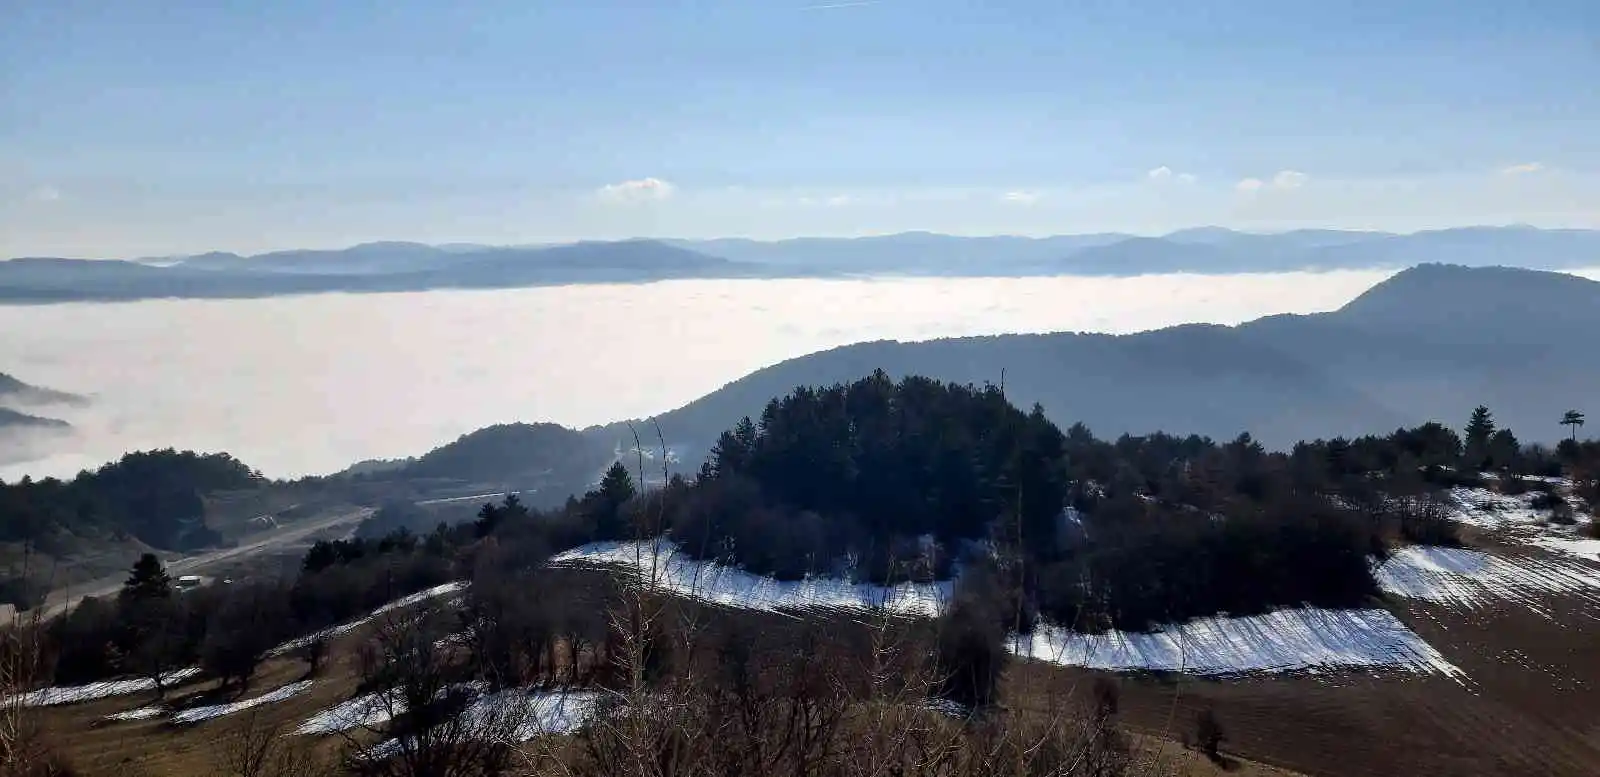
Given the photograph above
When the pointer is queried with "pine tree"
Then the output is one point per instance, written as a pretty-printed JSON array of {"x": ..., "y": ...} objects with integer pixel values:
[
  {"x": 605, "y": 503},
  {"x": 1479, "y": 429},
  {"x": 1574, "y": 419},
  {"x": 148, "y": 580}
]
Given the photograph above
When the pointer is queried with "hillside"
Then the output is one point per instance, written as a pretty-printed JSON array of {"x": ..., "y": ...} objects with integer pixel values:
[
  {"x": 14, "y": 393},
  {"x": 14, "y": 420},
  {"x": 1428, "y": 344},
  {"x": 1359, "y": 607},
  {"x": 401, "y": 266}
]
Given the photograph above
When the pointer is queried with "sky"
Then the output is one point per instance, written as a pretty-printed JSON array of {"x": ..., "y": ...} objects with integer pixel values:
[{"x": 145, "y": 128}]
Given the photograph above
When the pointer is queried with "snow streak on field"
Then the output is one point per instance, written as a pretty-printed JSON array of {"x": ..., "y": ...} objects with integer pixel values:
[
  {"x": 662, "y": 563},
  {"x": 142, "y": 713},
  {"x": 1474, "y": 579},
  {"x": 49, "y": 697},
  {"x": 1306, "y": 639},
  {"x": 199, "y": 714},
  {"x": 334, "y": 631},
  {"x": 366, "y": 711}
]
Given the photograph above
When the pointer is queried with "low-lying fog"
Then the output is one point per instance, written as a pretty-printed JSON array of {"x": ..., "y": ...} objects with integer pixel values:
[{"x": 311, "y": 384}]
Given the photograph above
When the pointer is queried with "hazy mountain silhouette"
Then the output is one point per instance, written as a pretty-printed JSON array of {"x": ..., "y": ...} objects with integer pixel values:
[
  {"x": 392, "y": 266},
  {"x": 1428, "y": 344},
  {"x": 15, "y": 393},
  {"x": 373, "y": 267}
]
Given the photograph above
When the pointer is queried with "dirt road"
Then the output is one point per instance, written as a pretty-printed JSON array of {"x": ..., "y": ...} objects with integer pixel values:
[{"x": 63, "y": 599}]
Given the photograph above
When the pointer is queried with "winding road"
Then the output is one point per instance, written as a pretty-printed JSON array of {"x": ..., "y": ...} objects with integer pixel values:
[{"x": 63, "y": 599}]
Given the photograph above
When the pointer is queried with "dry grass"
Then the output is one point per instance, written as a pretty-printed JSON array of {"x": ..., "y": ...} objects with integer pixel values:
[{"x": 1527, "y": 708}]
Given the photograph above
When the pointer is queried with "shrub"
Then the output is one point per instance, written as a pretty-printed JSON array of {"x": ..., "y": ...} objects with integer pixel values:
[{"x": 1208, "y": 734}]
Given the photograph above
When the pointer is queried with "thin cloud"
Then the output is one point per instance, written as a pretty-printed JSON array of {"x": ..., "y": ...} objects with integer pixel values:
[
  {"x": 1289, "y": 179},
  {"x": 1283, "y": 180},
  {"x": 1523, "y": 169},
  {"x": 45, "y": 194},
  {"x": 1021, "y": 197},
  {"x": 641, "y": 190}
]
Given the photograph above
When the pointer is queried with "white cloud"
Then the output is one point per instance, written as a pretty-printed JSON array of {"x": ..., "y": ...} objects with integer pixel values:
[
  {"x": 1522, "y": 169},
  {"x": 1283, "y": 180},
  {"x": 1164, "y": 173},
  {"x": 839, "y": 201},
  {"x": 45, "y": 194},
  {"x": 1021, "y": 197},
  {"x": 641, "y": 190},
  {"x": 1289, "y": 179}
]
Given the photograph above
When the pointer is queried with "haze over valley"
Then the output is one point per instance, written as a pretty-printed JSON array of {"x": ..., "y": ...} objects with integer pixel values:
[{"x": 311, "y": 384}]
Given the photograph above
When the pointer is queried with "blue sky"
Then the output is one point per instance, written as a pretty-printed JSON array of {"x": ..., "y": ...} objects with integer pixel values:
[{"x": 140, "y": 127}]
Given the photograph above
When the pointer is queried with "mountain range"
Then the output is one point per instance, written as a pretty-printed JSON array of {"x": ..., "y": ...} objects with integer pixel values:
[
  {"x": 396, "y": 266},
  {"x": 1430, "y": 343}
]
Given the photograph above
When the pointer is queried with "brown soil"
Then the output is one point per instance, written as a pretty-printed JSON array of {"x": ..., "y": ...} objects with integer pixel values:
[{"x": 1526, "y": 706}]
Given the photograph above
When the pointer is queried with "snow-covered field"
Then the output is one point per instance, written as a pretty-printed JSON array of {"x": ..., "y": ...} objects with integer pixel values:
[
  {"x": 1306, "y": 639},
  {"x": 402, "y": 602},
  {"x": 661, "y": 563},
  {"x": 72, "y": 694},
  {"x": 1487, "y": 509},
  {"x": 1472, "y": 578}
]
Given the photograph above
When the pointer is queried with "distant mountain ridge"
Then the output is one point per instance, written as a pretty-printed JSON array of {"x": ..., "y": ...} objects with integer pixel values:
[
  {"x": 1430, "y": 343},
  {"x": 15, "y": 396},
  {"x": 400, "y": 266}
]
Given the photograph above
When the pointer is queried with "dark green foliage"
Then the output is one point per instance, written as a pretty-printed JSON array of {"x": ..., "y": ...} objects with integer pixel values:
[
  {"x": 147, "y": 581},
  {"x": 893, "y": 481},
  {"x": 604, "y": 505},
  {"x": 511, "y": 452},
  {"x": 153, "y": 496},
  {"x": 1480, "y": 428},
  {"x": 889, "y": 463}
]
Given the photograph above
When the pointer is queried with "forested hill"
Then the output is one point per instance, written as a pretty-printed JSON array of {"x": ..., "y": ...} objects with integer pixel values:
[
  {"x": 1428, "y": 344},
  {"x": 16, "y": 397}
]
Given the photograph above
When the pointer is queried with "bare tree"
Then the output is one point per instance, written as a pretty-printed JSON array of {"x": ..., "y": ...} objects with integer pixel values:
[
  {"x": 253, "y": 747},
  {"x": 436, "y": 722}
]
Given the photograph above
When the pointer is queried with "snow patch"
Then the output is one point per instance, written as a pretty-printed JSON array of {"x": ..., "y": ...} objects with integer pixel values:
[
  {"x": 660, "y": 562},
  {"x": 334, "y": 631},
  {"x": 1304, "y": 639},
  {"x": 1470, "y": 578},
  {"x": 142, "y": 713},
  {"x": 1581, "y": 547},
  {"x": 373, "y": 709},
  {"x": 50, "y": 697},
  {"x": 200, "y": 714},
  {"x": 518, "y": 715}
]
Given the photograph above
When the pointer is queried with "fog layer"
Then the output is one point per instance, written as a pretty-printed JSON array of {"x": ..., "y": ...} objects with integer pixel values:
[{"x": 304, "y": 385}]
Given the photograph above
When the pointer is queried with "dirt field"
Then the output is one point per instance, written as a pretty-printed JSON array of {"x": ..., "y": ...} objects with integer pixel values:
[{"x": 1527, "y": 707}]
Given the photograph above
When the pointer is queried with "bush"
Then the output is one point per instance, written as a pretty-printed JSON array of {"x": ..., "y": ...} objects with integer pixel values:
[
  {"x": 1208, "y": 734},
  {"x": 972, "y": 654}
]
